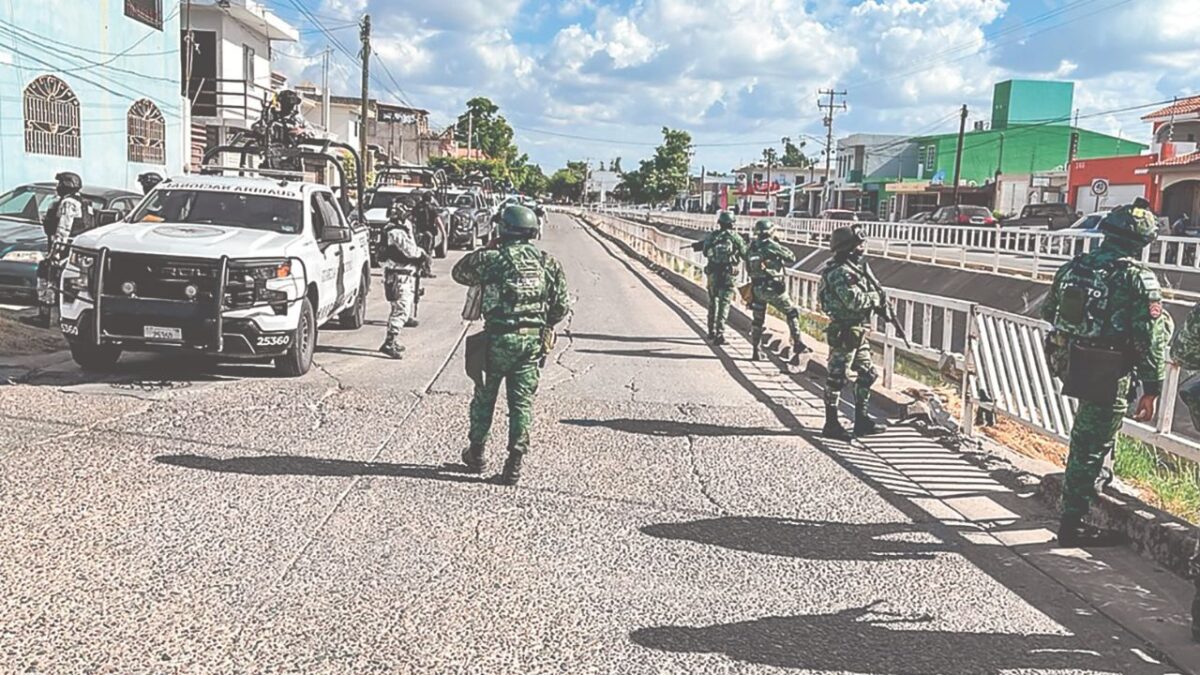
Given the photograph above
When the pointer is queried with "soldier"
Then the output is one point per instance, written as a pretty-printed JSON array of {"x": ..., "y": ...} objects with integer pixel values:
[
  {"x": 148, "y": 180},
  {"x": 848, "y": 298},
  {"x": 524, "y": 296},
  {"x": 725, "y": 250},
  {"x": 401, "y": 260},
  {"x": 70, "y": 214},
  {"x": 766, "y": 260},
  {"x": 427, "y": 220},
  {"x": 1106, "y": 310}
]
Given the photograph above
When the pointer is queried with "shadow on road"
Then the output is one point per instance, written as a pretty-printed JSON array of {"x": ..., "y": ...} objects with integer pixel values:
[
  {"x": 602, "y": 337},
  {"x": 675, "y": 428},
  {"x": 808, "y": 539},
  {"x": 352, "y": 351},
  {"x": 646, "y": 354},
  {"x": 288, "y": 465},
  {"x": 872, "y": 639}
]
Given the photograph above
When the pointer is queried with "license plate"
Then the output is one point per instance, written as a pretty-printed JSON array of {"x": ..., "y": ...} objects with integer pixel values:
[{"x": 160, "y": 333}]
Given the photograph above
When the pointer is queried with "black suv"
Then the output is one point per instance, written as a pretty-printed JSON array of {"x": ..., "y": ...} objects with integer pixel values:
[
  {"x": 470, "y": 218},
  {"x": 1053, "y": 216}
]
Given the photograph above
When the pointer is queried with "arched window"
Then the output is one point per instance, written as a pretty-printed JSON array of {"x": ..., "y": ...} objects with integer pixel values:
[
  {"x": 147, "y": 133},
  {"x": 51, "y": 118}
]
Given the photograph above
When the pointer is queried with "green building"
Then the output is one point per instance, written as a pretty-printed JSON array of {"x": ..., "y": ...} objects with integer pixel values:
[{"x": 1016, "y": 102}]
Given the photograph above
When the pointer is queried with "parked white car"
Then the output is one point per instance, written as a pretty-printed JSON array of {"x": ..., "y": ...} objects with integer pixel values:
[{"x": 235, "y": 267}]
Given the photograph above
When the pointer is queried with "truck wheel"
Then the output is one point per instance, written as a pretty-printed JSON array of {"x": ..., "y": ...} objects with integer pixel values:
[
  {"x": 91, "y": 357},
  {"x": 298, "y": 358},
  {"x": 355, "y": 316}
]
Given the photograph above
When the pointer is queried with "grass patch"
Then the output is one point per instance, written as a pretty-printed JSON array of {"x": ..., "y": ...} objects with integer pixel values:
[{"x": 1171, "y": 483}]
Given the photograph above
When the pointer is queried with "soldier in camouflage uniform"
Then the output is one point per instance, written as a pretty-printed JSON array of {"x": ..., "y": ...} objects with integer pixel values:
[
  {"x": 1186, "y": 350},
  {"x": 766, "y": 260},
  {"x": 849, "y": 299},
  {"x": 725, "y": 250},
  {"x": 1106, "y": 310},
  {"x": 524, "y": 296},
  {"x": 402, "y": 260}
]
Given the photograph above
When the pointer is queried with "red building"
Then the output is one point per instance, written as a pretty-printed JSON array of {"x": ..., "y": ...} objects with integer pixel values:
[{"x": 1126, "y": 178}]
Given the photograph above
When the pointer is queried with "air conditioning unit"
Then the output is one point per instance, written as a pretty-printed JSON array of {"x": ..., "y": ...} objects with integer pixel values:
[{"x": 980, "y": 125}]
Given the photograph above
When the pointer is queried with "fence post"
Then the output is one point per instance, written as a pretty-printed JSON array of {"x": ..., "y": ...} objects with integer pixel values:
[
  {"x": 1166, "y": 402},
  {"x": 889, "y": 354},
  {"x": 966, "y": 390}
]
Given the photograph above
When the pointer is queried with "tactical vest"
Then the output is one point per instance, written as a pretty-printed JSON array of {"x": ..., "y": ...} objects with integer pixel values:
[
  {"x": 722, "y": 252},
  {"x": 1084, "y": 298},
  {"x": 85, "y": 221},
  {"x": 521, "y": 291}
]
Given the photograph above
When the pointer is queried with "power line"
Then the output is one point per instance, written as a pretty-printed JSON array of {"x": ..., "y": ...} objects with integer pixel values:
[{"x": 90, "y": 64}]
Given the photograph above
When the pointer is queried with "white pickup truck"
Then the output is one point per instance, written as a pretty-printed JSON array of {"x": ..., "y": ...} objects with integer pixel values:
[{"x": 240, "y": 268}]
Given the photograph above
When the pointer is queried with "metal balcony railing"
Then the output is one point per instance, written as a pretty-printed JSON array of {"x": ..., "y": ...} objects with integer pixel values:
[{"x": 240, "y": 100}]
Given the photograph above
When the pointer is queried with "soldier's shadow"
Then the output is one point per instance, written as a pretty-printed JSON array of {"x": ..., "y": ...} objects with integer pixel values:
[
  {"x": 294, "y": 465},
  {"x": 872, "y": 639}
]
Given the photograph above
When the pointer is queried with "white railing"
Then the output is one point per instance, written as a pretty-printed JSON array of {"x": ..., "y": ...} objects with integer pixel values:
[
  {"x": 1035, "y": 253},
  {"x": 998, "y": 357}
]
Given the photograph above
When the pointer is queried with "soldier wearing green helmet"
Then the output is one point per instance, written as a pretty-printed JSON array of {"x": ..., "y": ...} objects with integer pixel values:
[
  {"x": 1108, "y": 323},
  {"x": 524, "y": 297},
  {"x": 725, "y": 251},
  {"x": 849, "y": 298},
  {"x": 766, "y": 263}
]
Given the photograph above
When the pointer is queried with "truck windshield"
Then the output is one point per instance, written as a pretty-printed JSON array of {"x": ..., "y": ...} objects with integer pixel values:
[
  {"x": 382, "y": 199},
  {"x": 231, "y": 209}
]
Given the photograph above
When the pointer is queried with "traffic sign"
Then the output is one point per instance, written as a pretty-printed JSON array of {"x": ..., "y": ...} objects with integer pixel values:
[{"x": 1100, "y": 187}]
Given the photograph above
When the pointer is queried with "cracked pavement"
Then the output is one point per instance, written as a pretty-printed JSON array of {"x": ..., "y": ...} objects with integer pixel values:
[{"x": 668, "y": 520}]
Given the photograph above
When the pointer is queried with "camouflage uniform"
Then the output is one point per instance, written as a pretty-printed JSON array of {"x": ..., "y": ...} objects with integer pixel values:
[
  {"x": 1186, "y": 350},
  {"x": 766, "y": 260},
  {"x": 524, "y": 294},
  {"x": 401, "y": 260},
  {"x": 848, "y": 299},
  {"x": 1108, "y": 300},
  {"x": 725, "y": 250}
]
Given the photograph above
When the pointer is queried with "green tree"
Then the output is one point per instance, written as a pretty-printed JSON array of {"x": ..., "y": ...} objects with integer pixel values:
[
  {"x": 488, "y": 130},
  {"x": 664, "y": 175},
  {"x": 568, "y": 183},
  {"x": 792, "y": 155}
]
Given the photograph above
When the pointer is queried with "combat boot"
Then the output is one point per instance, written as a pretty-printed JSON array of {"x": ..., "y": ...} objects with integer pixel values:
[
  {"x": 1074, "y": 533},
  {"x": 472, "y": 458},
  {"x": 391, "y": 349},
  {"x": 863, "y": 424},
  {"x": 512, "y": 468},
  {"x": 718, "y": 339},
  {"x": 833, "y": 428},
  {"x": 412, "y": 323}
]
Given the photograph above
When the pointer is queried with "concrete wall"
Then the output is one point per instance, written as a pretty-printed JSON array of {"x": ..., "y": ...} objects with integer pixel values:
[{"x": 54, "y": 37}]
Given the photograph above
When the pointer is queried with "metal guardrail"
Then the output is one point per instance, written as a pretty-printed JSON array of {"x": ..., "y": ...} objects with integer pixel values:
[
  {"x": 1034, "y": 253},
  {"x": 998, "y": 356}
]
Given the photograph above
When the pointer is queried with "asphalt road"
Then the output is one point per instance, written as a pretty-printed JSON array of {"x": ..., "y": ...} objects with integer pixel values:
[{"x": 670, "y": 520}]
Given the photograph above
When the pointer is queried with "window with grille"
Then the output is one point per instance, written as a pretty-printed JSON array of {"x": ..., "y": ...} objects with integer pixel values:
[
  {"x": 147, "y": 133},
  {"x": 148, "y": 12},
  {"x": 51, "y": 118},
  {"x": 930, "y": 156}
]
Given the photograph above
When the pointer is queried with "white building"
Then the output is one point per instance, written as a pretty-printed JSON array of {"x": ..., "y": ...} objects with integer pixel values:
[{"x": 228, "y": 77}]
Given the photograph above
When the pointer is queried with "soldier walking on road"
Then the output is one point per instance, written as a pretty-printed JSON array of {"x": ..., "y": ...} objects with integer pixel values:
[
  {"x": 725, "y": 251},
  {"x": 1106, "y": 310},
  {"x": 766, "y": 262},
  {"x": 524, "y": 297},
  {"x": 848, "y": 298},
  {"x": 1186, "y": 350},
  {"x": 402, "y": 259}
]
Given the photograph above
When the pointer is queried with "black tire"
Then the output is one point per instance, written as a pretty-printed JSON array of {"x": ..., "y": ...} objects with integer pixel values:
[
  {"x": 355, "y": 316},
  {"x": 299, "y": 356},
  {"x": 94, "y": 358}
]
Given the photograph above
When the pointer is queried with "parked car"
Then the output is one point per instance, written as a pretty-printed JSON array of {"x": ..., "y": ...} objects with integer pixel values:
[
  {"x": 23, "y": 241},
  {"x": 870, "y": 216},
  {"x": 838, "y": 214},
  {"x": 799, "y": 214},
  {"x": 375, "y": 210},
  {"x": 918, "y": 217},
  {"x": 962, "y": 215},
  {"x": 1052, "y": 216}
]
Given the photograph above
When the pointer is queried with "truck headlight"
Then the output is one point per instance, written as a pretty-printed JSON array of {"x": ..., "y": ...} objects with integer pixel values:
[
  {"x": 258, "y": 283},
  {"x": 24, "y": 256},
  {"x": 82, "y": 260}
]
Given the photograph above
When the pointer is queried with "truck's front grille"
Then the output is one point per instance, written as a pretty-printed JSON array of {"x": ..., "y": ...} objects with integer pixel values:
[{"x": 162, "y": 278}]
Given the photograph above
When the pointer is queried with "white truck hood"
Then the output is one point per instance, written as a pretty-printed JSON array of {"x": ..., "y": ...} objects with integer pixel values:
[{"x": 190, "y": 240}]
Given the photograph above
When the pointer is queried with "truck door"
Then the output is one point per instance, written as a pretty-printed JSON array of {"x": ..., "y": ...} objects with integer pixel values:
[
  {"x": 348, "y": 276},
  {"x": 331, "y": 283}
]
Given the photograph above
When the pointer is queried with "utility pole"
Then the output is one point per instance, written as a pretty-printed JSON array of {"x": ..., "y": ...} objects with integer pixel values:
[
  {"x": 829, "y": 109},
  {"x": 325, "y": 89},
  {"x": 962, "y": 132},
  {"x": 365, "y": 34},
  {"x": 470, "y": 133}
]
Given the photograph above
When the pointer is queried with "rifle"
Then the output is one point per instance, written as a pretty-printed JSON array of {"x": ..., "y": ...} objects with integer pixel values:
[
  {"x": 884, "y": 309},
  {"x": 695, "y": 246}
]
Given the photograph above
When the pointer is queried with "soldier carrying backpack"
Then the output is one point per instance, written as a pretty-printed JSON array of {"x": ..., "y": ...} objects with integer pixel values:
[
  {"x": 1109, "y": 324},
  {"x": 725, "y": 251}
]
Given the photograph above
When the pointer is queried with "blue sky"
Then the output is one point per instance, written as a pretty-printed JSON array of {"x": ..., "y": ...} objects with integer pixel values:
[{"x": 741, "y": 74}]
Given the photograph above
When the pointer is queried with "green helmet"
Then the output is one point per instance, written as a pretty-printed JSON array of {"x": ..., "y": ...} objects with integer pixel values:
[
  {"x": 1131, "y": 223},
  {"x": 845, "y": 239},
  {"x": 764, "y": 227},
  {"x": 726, "y": 219},
  {"x": 518, "y": 222}
]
